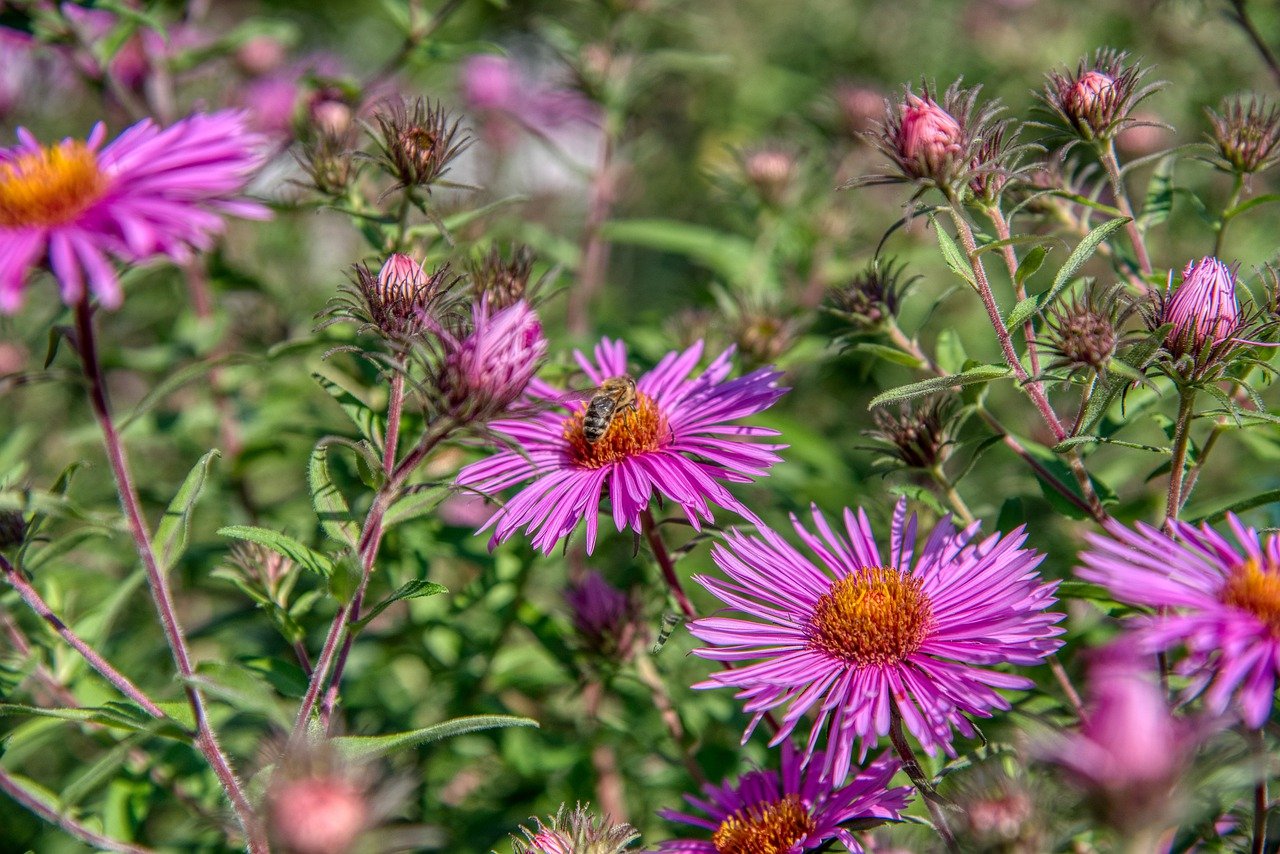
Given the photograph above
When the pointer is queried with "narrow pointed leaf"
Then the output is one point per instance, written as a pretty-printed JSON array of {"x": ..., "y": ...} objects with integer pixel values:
[
  {"x": 370, "y": 747},
  {"x": 175, "y": 525}
]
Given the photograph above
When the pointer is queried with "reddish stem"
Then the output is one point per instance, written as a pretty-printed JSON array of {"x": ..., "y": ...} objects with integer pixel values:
[{"x": 15, "y": 790}]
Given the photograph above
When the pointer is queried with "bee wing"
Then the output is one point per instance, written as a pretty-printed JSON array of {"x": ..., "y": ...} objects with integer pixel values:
[{"x": 565, "y": 398}]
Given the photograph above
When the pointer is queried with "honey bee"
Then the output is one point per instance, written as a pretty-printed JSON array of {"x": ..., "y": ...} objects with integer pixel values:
[{"x": 613, "y": 396}]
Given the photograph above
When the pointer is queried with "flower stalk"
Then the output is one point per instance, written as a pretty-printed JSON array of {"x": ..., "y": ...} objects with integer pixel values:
[{"x": 911, "y": 765}]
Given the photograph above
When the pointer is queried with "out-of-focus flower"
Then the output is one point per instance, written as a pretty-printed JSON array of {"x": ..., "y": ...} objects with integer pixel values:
[
  {"x": 17, "y": 68},
  {"x": 330, "y": 112},
  {"x": 1221, "y": 602},
  {"x": 317, "y": 803},
  {"x": 1147, "y": 135},
  {"x": 677, "y": 441},
  {"x": 575, "y": 832},
  {"x": 919, "y": 436},
  {"x": 604, "y": 617},
  {"x": 872, "y": 295},
  {"x": 496, "y": 87},
  {"x": 490, "y": 83},
  {"x": 793, "y": 812},
  {"x": 996, "y": 813},
  {"x": 952, "y": 145},
  {"x": 417, "y": 144},
  {"x": 1245, "y": 136},
  {"x": 136, "y": 59},
  {"x": 260, "y": 54},
  {"x": 860, "y": 107},
  {"x": 857, "y": 639},
  {"x": 1097, "y": 100},
  {"x": 487, "y": 369},
  {"x": 772, "y": 171},
  {"x": 150, "y": 192},
  {"x": 1130, "y": 752}
]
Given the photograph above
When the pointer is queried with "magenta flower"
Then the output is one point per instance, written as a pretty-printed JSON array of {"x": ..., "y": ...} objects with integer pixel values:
[
  {"x": 929, "y": 136},
  {"x": 1221, "y": 603},
  {"x": 790, "y": 813},
  {"x": 486, "y": 370},
  {"x": 150, "y": 192},
  {"x": 604, "y": 617},
  {"x": 677, "y": 442},
  {"x": 857, "y": 639},
  {"x": 1203, "y": 310}
]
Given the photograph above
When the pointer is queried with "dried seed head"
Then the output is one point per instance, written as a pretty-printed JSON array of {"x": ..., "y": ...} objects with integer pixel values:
[
  {"x": 1083, "y": 333},
  {"x": 416, "y": 144},
  {"x": 13, "y": 529},
  {"x": 1097, "y": 100},
  {"x": 1245, "y": 136},
  {"x": 575, "y": 832},
  {"x": 919, "y": 436},
  {"x": 503, "y": 281},
  {"x": 872, "y": 295}
]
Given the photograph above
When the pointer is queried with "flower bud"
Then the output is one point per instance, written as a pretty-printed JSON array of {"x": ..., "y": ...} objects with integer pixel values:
[
  {"x": 603, "y": 616},
  {"x": 259, "y": 55},
  {"x": 1088, "y": 93},
  {"x": 771, "y": 172},
  {"x": 330, "y": 113},
  {"x": 576, "y": 832},
  {"x": 13, "y": 529},
  {"x": 873, "y": 295},
  {"x": 929, "y": 138},
  {"x": 487, "y": 370},
  {"x": 501, "y": 282},
  {"x": 919, "y": 436},
  {"x": 1246, "y": 136},
  {"x": 1096, "y": 101},
  {"x": 860, "y": 107},
  {"x": 317, "y": 816},
  {"x": 1203, "y": 310},
  {"x": 416, "y": 145}
]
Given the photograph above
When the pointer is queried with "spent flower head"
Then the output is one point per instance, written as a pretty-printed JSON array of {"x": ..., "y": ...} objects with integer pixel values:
[
  {"x": 417, "y": 143},
  {"x": 503, "y": 281},
  {"x": 1245, "y": 137},
  {"x": 576, "y": 831},
  {"x": 792, "y": 812},
  {"x": 1096, "y": 101},
  {"x": 77, "y": 205},
  {"x": 856, "y": 639},
  {"x": 920, "y": 434},
  {"x": 872, "y": 295},
  {"x": 1083, "y": 333}
]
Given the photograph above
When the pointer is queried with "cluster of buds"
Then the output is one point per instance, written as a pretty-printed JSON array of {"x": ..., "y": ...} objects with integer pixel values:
[
  {"x": 605, "y": 619},
  {"x": 954, "y": 145},
  {"x": 13, "y": 529},
  {"x": 1245, "y": 137},
  {"x": 1083, "y": 334},
  {"x": 1096, "y": 101},
  {"x": 417, "y": 143},
  {"x": 397, "y": 304},
  {"x": 575, "y": 832},
  {"x": 269, "y": 570},
  {"x": 920, "y": 435},
  {"x": 872, "y": 295},
  {"x": 500, "y": 281}
]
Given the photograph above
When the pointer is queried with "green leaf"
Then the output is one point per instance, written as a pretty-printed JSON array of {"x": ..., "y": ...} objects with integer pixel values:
[
  {"x": 953, "y": 256},
  {"x": 1030, "y": 264},
  {"x": 1158, "y": 203},
  {"x": 98, "y": 773},
  {"x": 416, "y": 589},
  {"x": 330, "y": 505},
  {"x": 889, "y": 354},
  {"x": 979, "y": 374},
  {"x": 371, "y": 747},
  {"x": 371, "y": 425},
  {"x": 178, "y": 379},
  {"x": 282, "y": 544},
  {"x": 1239, "y": 506},
  {"x": 1081, "y": 254},
  {"x": 175, "y": 524},
  {"x": 1264, "y": 199},
  {"x": 727, "y": 254},
  {"x": 1023, "y": 311},
  {"x": 414, "y": 505},
  {"x": 1017, "y": 239},
  {"x": 1067, "y": 444}
]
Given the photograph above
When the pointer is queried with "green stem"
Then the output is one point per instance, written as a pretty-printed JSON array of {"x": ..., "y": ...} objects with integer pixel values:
[
  {"x": 1261, "y": 805},
  {"x": 911, "y": 765},
  {"x": 666, "y": 564},
  {"x": 1019, "y": 288},
  {"x": 1219, "y": 242},
  {"x": 1181, "y": 441},
  {"x": 952, "y": 497},
  {"x": 1107, "y": 154}
]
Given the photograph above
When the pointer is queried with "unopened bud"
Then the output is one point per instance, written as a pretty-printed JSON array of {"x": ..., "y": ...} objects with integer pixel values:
[
  {"x": 860, "y": 107},
  {"x": 417, "y": 144},
  {"x": 488, "y": 369},
  {"x": 13, "y": 529},
  {"x": 1246, "y": 136},
  {"x": 323, "y": 815},
  {"x": 260, "y": 55},
  {"x": 576, "y": 832},
  {"x": 1096, "y": 100},
  {"x": 500, "y": 281},
  {"x": 873, "y": 295},
  {"x": 330, "y": 113},
  {"x": 919, "y": 436},
  {"x": 772, "y": 172},
  {"x": 929, "y": 138},
  {"x": 1203, "y": 309}
]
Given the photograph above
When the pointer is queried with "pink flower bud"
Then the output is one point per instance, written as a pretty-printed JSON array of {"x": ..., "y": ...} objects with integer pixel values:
[
  {"x": 330, "y": 113},
  {"x": 487, "y": 370},
  {"x": 929, "y": 135},
  {"x": 259, "y": 55},
  {"x": 400, "y": 272},
  {"x": 1090, "y": 91},
  {"x": 1203, "y": 310},
  {"x": 317, "y": 816}
]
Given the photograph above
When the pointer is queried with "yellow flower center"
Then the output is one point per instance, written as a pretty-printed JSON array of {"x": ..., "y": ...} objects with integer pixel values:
[
  {"x": 1256, "y": 589},
  {"x": 770, "y": 828},
  {"x": 875, "y": 616},
  {"x": 49, "y": 187},
  {"x": 632, "y": 432}
]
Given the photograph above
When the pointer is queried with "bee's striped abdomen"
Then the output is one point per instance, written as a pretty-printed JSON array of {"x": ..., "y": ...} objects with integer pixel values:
[{"x": 598, "y": 418}]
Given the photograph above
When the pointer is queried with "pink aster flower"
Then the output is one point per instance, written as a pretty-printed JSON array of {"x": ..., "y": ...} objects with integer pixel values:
[
  {"x": 1221, "y": 602},
  {"x": 676, "y": 441},
  {"x": 855, "y": 639},
  {"x": 152, "y": 191},
  {"x": 790, "y": 813}
]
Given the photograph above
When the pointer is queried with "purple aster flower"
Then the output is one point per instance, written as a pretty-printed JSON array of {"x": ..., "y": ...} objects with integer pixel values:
[
  {"x": 604, "y": 617},
  {"x": 1203, "y": 309},
  {"x": 152, "y": 191},
  {"x": 676, "y": 441},
  {"x": 855, "y": 639},
  {"x": 791, "y": 812},
  {"x": 486, "y": 370},
  {"x": 1221, "y": 602}
]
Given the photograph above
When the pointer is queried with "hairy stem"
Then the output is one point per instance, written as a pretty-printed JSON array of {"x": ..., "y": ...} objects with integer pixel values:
[
  {"x": 1219, "y": 241},
  {"x": 1181, "y": 441},
  {"x": 33, "y": 599},
  {"x": 668, "y": 567},
  {"x": 1019, "y": 288},
  {"x": 911, "y": 765},
  {"x": 11, "y": 787},
  {"x": 205, "y": 738},
  {"x": 1107, "y": 154}
]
